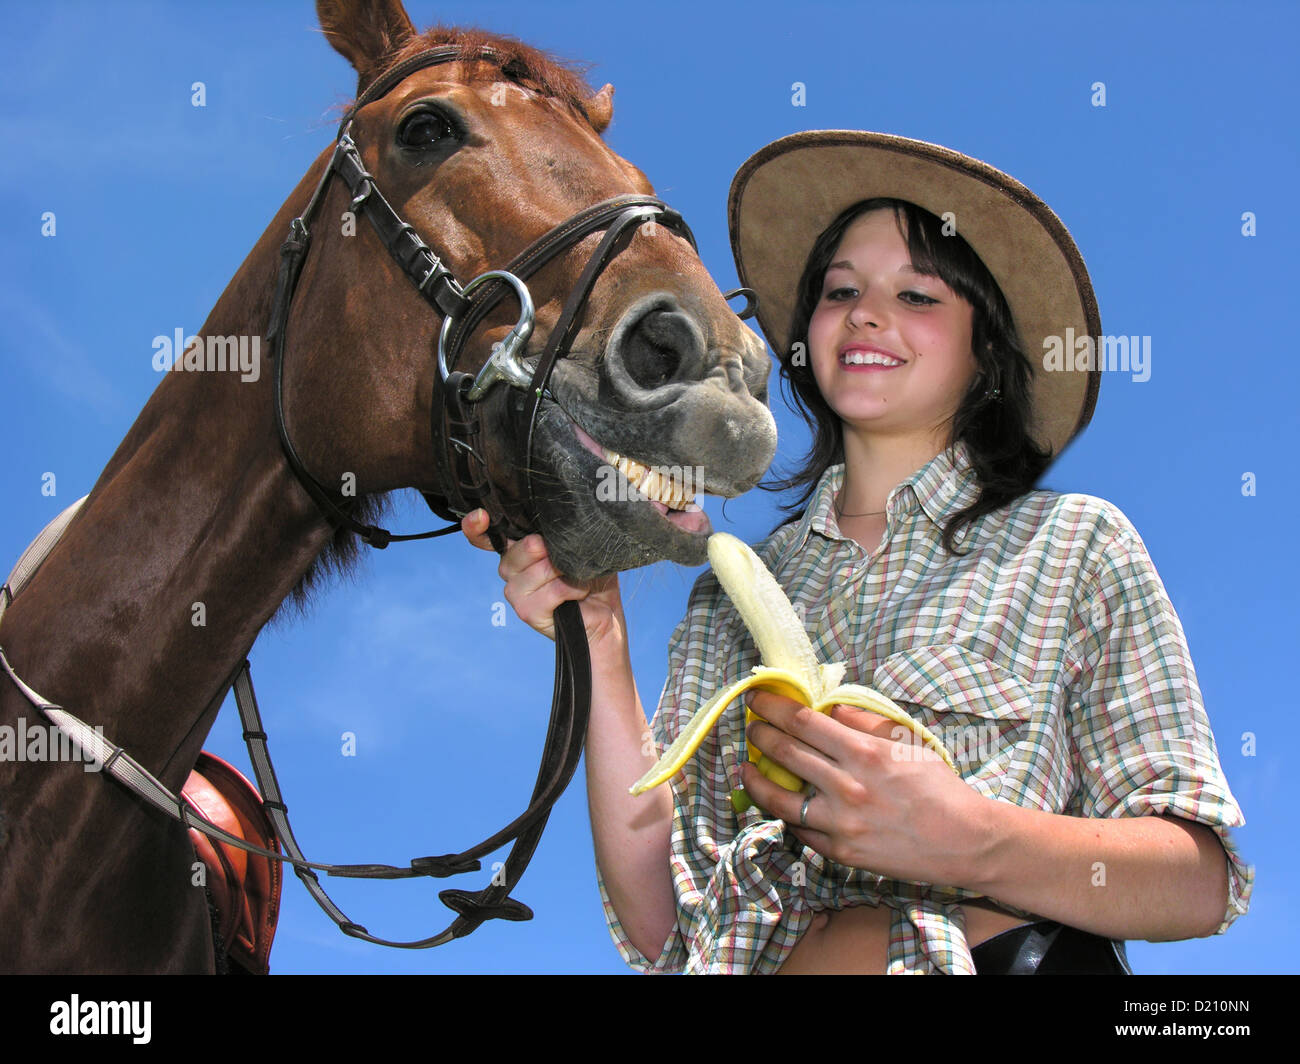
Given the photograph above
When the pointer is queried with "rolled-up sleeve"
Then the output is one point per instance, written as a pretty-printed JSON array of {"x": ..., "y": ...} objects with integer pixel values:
[
  {"x": 672, "y": 957},
  {"x": 1137, "y": 720}
]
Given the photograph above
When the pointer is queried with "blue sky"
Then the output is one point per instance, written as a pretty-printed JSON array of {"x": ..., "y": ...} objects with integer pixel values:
[{"x": 157, "y": 203}]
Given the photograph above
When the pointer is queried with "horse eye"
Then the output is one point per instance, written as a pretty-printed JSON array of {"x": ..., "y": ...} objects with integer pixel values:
[{"x": 424, "y": 130}]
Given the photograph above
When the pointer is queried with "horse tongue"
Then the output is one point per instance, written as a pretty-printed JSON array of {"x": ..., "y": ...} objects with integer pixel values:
[
  {"x": 692, "y": 519},
  {"x": 588, "y": 442}
]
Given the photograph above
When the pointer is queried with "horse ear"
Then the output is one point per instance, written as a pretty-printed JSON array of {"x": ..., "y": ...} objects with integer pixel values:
[
  {"x": 600, "y": 109},
  {"x": 365, "y": 32}
]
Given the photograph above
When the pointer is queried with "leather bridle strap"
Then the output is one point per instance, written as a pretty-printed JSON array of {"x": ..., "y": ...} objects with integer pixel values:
[
  {"x": 564, "y": 236},
  {"x": 562, "y": 335},
  {"x": 382, "y": 86},
  {"x": 470, "y": 484},
  {"x": 417, "y": 260},
  {"x": 425, "y": 269},
  {"x": 563, "y": 742}
]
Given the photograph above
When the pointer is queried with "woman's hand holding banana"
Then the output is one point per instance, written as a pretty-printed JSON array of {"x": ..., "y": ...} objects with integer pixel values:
[
  {"x": 882, "y": 793},
  {"x": 789, "y": 668},
  {"x": 882, "y": 801}
]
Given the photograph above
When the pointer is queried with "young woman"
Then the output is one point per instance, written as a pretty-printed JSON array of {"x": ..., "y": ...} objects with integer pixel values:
[{"x": 921, "y": 304}]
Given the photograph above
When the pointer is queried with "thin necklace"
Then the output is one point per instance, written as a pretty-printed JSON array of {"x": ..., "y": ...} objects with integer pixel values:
[{"x": 840, "y": 514}]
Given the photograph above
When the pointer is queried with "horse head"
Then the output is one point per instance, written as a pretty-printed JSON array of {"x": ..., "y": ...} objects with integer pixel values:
[{"x": 662, "y": 388}]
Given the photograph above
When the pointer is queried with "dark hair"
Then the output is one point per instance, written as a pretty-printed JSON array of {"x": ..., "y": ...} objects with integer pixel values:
[{"x": 993, "y": 418}]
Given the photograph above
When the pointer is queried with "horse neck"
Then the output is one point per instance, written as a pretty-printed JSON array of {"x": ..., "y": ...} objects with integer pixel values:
[{"x": 192, "y": 537}]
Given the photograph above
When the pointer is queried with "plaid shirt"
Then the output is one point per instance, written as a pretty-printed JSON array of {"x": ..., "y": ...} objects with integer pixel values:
[{"x": 1048, "y": 660}]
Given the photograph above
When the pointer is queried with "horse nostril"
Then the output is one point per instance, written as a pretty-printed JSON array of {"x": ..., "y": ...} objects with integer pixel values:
[{"x": 655, "y": 347}]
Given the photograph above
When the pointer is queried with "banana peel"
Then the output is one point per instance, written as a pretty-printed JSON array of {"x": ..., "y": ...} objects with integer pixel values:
[{"x": 789, "y": 668}]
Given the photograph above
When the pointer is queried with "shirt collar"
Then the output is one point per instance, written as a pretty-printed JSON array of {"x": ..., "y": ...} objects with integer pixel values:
[
  {"x": 944, "y": 485},
  {"x": 940, "y": 488}
]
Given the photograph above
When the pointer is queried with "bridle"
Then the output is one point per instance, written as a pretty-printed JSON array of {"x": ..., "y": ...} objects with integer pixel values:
[{"x": 462, "y": 308}]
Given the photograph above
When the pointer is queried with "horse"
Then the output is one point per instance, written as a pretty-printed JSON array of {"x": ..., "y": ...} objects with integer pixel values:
[{"x": 234, "y": 491}]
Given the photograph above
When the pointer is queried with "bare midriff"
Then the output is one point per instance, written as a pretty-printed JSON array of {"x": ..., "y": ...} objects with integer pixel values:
[{"x": 856, "y": 941}]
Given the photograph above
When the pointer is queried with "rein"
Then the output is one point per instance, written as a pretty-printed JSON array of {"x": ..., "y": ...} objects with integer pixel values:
[{"x": 562, "y": 749}]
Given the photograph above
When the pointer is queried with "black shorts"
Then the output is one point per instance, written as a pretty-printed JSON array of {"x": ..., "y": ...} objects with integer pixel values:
[{"x": 1049, "y": 948}]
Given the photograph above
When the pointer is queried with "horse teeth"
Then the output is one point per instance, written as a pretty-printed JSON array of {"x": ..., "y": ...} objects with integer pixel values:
[{"x": 654, "y": 484}]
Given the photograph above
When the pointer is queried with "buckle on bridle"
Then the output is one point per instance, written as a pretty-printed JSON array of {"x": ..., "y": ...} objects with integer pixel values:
[
  {"x": 367, "y": 187},
  {"x": 751, "y": 302},
  {"x": 506, "y": 362}
]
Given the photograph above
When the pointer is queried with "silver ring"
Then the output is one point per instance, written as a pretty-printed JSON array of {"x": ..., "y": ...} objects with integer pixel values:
[{"x": 803, "y": 809}]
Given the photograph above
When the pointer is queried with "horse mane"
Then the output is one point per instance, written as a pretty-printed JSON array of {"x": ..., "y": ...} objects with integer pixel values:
[
  {"x": 338, "y": 559},
  {"x": 563, "y": 80}
]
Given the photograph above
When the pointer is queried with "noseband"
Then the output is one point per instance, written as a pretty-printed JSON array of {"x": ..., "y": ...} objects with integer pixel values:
[{"x": 462, "y": 308}]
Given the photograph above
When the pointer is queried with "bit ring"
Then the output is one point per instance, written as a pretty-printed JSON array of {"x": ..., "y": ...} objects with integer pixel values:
[{"x": 505, "y": 362}]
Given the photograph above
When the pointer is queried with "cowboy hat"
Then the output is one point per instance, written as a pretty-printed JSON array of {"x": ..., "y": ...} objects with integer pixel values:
[{"x": 787, "y": 193}]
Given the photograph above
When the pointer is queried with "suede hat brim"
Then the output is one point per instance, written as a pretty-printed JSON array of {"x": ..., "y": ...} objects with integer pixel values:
[{"x": 787, "y": 193}]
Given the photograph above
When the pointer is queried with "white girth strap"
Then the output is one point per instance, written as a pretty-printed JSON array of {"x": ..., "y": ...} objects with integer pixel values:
[
  {"x": 95, "y": 748},
  {"x": 35, "y": 554}
]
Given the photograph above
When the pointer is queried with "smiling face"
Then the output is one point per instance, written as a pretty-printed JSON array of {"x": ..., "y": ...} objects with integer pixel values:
[{"x": 890, "y": 347}]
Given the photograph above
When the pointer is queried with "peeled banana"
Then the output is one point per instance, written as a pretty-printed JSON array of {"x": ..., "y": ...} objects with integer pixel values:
[{"x": 789, "y": 668}]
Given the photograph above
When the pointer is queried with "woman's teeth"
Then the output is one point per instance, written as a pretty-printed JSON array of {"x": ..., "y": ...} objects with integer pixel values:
[{"x": 869, "y": 358}]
